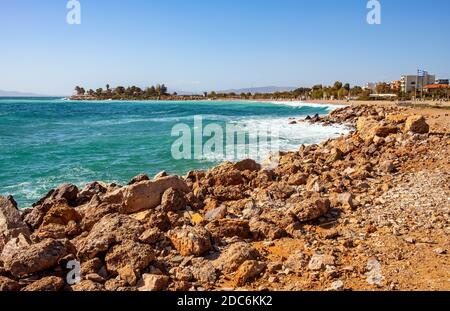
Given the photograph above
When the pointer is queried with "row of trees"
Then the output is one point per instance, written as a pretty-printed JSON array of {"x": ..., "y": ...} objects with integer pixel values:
[
  {"x": 338, "y": 90},
  {"x": 120, "y": 92}
]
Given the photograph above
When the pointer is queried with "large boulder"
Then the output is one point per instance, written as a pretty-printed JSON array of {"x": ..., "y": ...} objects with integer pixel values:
[
  {"x": 129, "y": 253},
  {"x": 61, "y": 215},
  {"x": 249, "y": 270},
  {"x": 47, "y": 284},
  {"x": 234, "y": 256},
  {"x": 152, "y": 283},
  {"x": 173, "y": 200},
  {"x": 64, "y": 194},
  {"x": 51, "y": 231},
  {"x": 231, "y": 193},
  {"x": 11, "y": 224},
  {"x": 90, "y": 190},
  {"x": 14, "y": 245},
  {"x": 59, "y": 222},
  {"x": 417, "y": 125},
  {"x": 111, "y": 229},
  {"x": 265, "y": 230},
  {"x": 228, "y": 228},
  {"x": 247, "y": 165},
  {"x": 38, "y": 257},
  {"x": 8, "y": 285},
  {"x": 397, "y": 118},
  {"x": 189, "y": 241},
  {"x": 139, "y": 178},
  {"x": 368, "y": 128},
  {"x": 203, "y": 271},
  {"x": 225, "y": 175},
  {"x": 311, "y": 209},
  {"x": 144, "y": 195},
  {"x": 95, "y": 211}
]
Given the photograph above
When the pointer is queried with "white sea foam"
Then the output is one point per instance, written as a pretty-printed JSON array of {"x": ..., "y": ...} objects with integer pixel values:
[
  {"x": 329, "y": 107},
  {"x": 290, "y": 136},
  {"x": 32, "y": 191}
]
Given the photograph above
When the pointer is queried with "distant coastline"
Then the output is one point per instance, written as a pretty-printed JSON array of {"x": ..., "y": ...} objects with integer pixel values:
[
  {"x": 337, "y": 94},
  {"x": 344, "y": 102}
]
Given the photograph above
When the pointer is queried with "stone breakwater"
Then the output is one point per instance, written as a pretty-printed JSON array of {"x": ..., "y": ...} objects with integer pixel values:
[{"x": 345, "y": 214}]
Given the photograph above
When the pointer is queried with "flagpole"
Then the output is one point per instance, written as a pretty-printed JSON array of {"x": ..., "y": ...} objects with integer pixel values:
[{"x": 417, "y": 82}]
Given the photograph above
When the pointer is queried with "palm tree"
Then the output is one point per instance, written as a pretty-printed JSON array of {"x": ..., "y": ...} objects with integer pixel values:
[
  {"x": 79, "y": 90},
  {"x": 338, "y": 85}
]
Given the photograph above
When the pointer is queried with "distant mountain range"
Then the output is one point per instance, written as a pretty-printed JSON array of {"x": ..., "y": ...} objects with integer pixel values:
[
  {"x": 253, "y": 90},
  {"x": 261, "y": 90},
  {"x": 19, "y": 94}
]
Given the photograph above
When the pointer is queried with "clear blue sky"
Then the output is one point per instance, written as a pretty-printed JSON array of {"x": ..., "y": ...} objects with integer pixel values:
[{"x": 217, "y": 44}]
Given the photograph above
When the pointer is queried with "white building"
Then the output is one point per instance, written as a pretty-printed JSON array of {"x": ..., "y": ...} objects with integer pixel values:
[
  {"x": 410, "y": 83},
  {"x": 371, "y": 86}
]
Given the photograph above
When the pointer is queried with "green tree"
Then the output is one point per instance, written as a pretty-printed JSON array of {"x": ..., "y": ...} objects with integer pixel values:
[
  {"x": 342, "y": 93},
  {"x": 80, "y": 90},
  {"x": 163, "y": 89},
  {"x": 337, "y": 85},
  {"x": 120, "y": 90},
  {"x": 383, "y": 88}
]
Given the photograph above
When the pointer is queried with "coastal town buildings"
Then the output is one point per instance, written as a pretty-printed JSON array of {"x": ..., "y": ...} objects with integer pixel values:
[
  {"x": 442, "y": 81},
  {"x": 371, "y": 86},
  {"x": 411, "y": 83}
]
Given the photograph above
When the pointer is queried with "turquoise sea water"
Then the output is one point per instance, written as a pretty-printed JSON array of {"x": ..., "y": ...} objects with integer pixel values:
[{"x": 47, "y": 142}]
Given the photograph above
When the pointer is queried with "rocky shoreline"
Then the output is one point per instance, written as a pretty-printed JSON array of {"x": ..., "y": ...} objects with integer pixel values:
[{"x": 368, "y": 211}]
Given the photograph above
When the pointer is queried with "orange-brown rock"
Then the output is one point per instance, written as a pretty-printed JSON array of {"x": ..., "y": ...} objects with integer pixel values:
[
  {"x": 189, "y": 240},
  {"x": 110, "y": 229},
  {"x": 38, "y": 257},
  {"x": 8, "y": 285},
  {"x": 368, "y": 128},
  {"x": 223, "y": 228},
  {"x": 173, "y": 200},
  {"x": 152, "y": 283},
  {"x": 47, "y": 284},
  {"x": 136, "y": 255},
  {"x": 144, "y": 195},
  {"x": 266, "y": 230},
  {"x": 151, "y": 236},
  {"x": 417, "y": 125},
  {"x": 249, "y": 270},
  {"x": 11, "y": 224},
  {"x": 247, "y": 165},
  {"x": 87, "y": 286},
  {"x": 234, "y": 256},
  {"x": 310, "y": 209}
]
